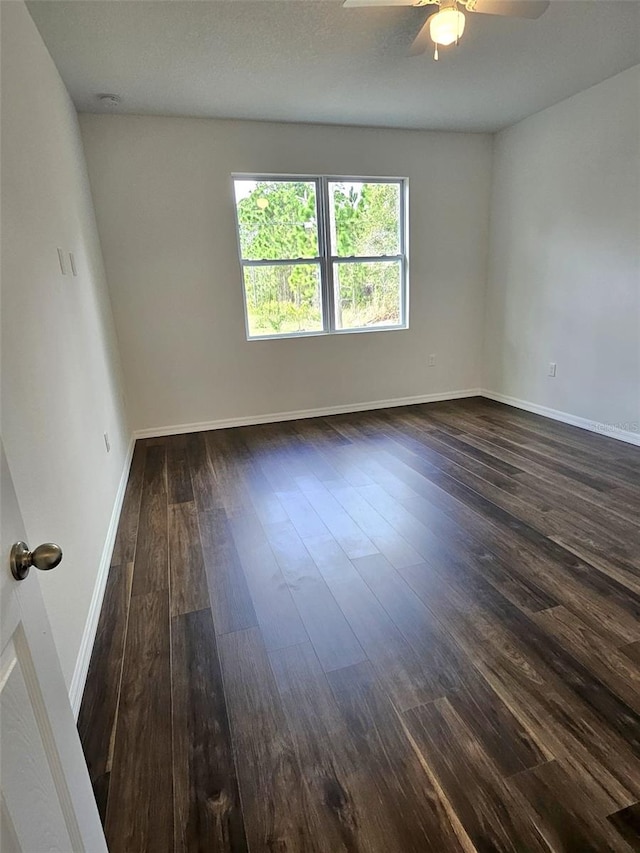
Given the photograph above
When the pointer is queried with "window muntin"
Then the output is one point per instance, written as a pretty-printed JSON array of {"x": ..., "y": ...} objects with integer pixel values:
[{"x": 321, "y": 255}]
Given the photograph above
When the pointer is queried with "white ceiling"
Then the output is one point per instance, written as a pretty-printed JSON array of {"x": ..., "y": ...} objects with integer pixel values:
[{"x": 310, "y": 61}]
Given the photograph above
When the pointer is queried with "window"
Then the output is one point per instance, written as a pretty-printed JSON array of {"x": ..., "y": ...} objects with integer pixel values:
[{"x": 321, "y": 255}]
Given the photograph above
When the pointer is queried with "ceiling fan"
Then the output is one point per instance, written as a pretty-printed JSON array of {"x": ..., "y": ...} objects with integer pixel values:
[{"x": 446, "y": 26}]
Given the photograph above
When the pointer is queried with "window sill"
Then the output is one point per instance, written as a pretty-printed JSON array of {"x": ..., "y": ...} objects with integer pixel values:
[{"x": 323, "y": 334}]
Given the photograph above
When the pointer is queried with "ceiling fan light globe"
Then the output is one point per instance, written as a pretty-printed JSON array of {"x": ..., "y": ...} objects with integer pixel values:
[{"x": 446, "y": 26}]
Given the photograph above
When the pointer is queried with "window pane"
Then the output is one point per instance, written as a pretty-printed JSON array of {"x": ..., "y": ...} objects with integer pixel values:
[
  {"x": 277, "y": 220},
  {"x": 367, "y": 294},
  {"x": 365, "y": 218},
  {"x": 283, "y": 299}
]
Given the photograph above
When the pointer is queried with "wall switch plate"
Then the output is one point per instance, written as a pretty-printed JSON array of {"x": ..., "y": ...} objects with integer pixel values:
[
  {"x": 62, "y": 262},
  {"x": 552, "y": 368},
  {"x": 107, "y": 443},
  {"x": 72, "y": 261},
  {"x": 432, "y": 360}
]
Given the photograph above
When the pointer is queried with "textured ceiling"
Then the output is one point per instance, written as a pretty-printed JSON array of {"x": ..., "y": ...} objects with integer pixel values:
[{"x": 309, "y": 61}]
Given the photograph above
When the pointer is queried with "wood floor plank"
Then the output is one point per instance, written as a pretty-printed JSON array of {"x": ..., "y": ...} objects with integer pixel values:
[
  {"x": 549, "y": 492},
  {"x": 576, "y": 584},
  {"x": 562, "y": 443},
  {"x": 189, "y": 590},
  {"x": 632, "y": 651},
  {"x": 229, "y": 595},
  {"x": 275, "y": 797},
  {"x": 568, "y": 670},
  {"x": 566, "y": 822},
  {"x": 611, "y": 666},
  {"x": 450, "y": 542},
  {"x": 140, "y": 816},
  {"x": 441, "y": 660},
  {"x": 422, "y": 817},
  {"x": 307, "y": 438},
  {"x": 227, "y": 452},
  {"x": 178, "y": 471},
  {"x": 354, "y": 808},
  {"x": 606, "y": 605},
  {"x": 588, "y": 477},
  {"x": 359, "y": 808},
  {"x": 397, "y": 665},
  {"x": 591, "y": 487},
  {"x": 612, "y": 556},
  {"x": 250, "y": 484},
  {"x": 435, "y": 535},
  {"x": 206, "y": 493},
  {"x": 553, "y": 438},
  {"x": 510, "y": 745},
  {"x": 268, "y": 449},
  {"x": 561, "y": 726},
  {"x": 332, "y": 562},
  {"x": 334, "y": 641},
  {"x": 546, "y": 654},
  {"x": 151, "y": 567},
  {"x": 273, "y": 603},
  {"x": 339, "y": 454},
  {"x": 208, "y": 815},
  {"x": 99, "y": 709},
  {"x": 485, "y": 804},
  {"x": 566, "y": 436},
  {"x": 385, "y": 538},
  {"x": 311, "y": 711},
  {"x": 266, "y": 503},
  {"x": 302, "y": 515},
  {"x": 346, "y": 532},
  {"x": 627, "y": 824},
  {"x": 623, "y": 495},
  {"x": 591, "y": 541}
]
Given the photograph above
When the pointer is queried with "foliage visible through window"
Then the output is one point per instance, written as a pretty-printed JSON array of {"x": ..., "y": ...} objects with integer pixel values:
[{"x": 321, "y": 255}]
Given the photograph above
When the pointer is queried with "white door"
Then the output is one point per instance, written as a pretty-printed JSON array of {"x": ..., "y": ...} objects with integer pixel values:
[{"x": 46, "y": 799}]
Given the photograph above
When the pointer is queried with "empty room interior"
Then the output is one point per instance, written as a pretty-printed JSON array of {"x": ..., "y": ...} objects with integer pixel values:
[{"x": 320, "y": 426}]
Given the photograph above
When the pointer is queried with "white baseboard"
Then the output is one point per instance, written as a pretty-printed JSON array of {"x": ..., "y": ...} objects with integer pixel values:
[
  {"x": 91, "y": 626},
  {"x": 250, "y": 420},
  {"x": 607, "y": 430}
]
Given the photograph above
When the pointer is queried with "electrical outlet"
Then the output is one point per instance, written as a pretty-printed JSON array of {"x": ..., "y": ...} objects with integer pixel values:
[
  {"x": 432, "y": 360},
  {"x": 107, "y": 443},
  {"x": 552, "y": 369}
]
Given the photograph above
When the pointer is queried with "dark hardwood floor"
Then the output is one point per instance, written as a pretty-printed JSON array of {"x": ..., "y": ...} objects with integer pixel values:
[{"x": 398, "y": 631}]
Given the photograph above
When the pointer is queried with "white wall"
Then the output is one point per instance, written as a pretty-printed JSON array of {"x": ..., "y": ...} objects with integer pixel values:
[
  {"x": 164, "y": 205},
  {"x": 60, "y": 379},
  {"x": 564, "y": 274}
]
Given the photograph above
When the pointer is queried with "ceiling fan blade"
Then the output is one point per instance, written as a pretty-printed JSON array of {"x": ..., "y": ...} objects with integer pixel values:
[
  {"x": 422, "y": 41},
  {"x": 352, "y": 4},
  {"x": 512, "y": 8}
]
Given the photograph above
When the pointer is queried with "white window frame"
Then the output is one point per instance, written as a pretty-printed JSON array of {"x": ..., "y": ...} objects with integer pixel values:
[{"x": 326, "y": 259}]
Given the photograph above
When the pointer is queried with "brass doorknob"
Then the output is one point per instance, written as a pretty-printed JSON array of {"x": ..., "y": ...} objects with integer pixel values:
[{"x": 45, "y": 557}]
